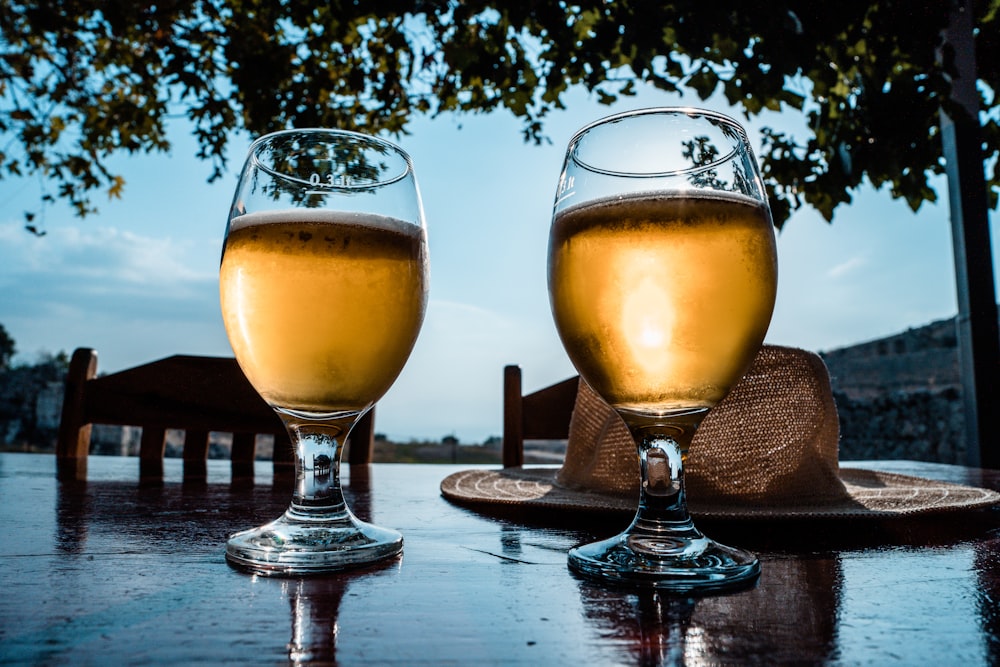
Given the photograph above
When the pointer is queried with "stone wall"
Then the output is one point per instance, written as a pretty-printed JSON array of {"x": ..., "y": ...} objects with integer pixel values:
[
  {"x": 917, "y": 425},
  {"x": 900, "y": 397},
  {"x": 919, "y": 359}
]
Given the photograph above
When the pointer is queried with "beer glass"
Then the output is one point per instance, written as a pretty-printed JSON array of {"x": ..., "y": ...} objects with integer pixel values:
[
  {"x": 323, "y": 287},
  {"x": 662, "y": 272}
]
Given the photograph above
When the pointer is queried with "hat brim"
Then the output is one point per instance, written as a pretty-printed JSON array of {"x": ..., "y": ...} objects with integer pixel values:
[{"x": 871, "y": 494}]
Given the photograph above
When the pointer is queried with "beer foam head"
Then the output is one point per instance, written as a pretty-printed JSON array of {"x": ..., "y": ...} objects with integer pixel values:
[{"x": 322, "y": 216}]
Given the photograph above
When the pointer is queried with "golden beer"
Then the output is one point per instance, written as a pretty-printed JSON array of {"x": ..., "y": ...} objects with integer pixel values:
[
  {"x": 322, "y": 308},
  {"x": 662, "y": 301}
]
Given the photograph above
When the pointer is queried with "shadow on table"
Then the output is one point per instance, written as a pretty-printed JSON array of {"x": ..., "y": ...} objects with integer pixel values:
[{"x": 773, "y": 535}]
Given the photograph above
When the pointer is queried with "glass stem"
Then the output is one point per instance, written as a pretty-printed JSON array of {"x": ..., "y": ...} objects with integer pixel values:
[
  {"x": 662, "y": 500},
  {"x": 318, "y": 445}
]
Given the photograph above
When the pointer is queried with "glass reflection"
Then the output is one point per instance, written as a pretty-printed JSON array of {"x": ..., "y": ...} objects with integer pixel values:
[
  {"x": 793, "y": 609},
  {"x": 315, "y": 602},
  {"x": 315, "y": 605}
]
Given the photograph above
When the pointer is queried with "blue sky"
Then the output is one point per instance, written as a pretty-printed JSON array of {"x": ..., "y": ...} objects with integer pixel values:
[{"x": 139, "y": 280}]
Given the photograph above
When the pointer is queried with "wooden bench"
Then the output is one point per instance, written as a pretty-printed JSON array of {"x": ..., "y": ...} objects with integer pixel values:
[
  {"x": 198, "y": 395},
  {"x": 541, "y": 415}
]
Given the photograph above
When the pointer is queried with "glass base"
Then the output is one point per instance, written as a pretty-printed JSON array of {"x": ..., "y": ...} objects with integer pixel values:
[
  {"x": 292, "y": 545},
  {"x": 666, "y": 562}
]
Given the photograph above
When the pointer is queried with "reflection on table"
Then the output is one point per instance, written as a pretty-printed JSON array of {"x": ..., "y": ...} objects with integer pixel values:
[{"x": 109, "y": 570}]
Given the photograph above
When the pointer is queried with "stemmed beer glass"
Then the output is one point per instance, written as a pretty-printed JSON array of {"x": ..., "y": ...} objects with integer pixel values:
[
  {"x": 662, "y": 278},
  {"x": 323, "y": 288}
]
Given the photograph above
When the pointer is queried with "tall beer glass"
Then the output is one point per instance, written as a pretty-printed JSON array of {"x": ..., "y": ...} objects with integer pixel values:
[
  {"x": 662, "y": 278},
  {"x": 323, "y": 287}
]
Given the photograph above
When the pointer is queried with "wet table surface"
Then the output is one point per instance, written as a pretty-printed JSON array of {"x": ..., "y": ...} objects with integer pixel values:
[{"x": 109, "y": 571}]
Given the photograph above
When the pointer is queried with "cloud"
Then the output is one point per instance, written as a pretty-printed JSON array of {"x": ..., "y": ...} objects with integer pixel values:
[
  {"x": 101, "y": 254},
  {"x": 845, "y": 268},
  {"x": 131, "y": 295}
]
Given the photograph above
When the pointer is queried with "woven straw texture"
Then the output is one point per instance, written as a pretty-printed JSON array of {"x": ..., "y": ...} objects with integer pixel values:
[{"x": 772, "y": 440}]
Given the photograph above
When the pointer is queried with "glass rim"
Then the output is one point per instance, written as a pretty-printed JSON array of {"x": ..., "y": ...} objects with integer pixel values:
[
  {"x": 689, "y": 111},
  {"x": 321, "y": 187}
]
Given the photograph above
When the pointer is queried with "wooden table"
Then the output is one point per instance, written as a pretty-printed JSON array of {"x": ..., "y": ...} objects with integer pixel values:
[{"x": 110, "y": 572}]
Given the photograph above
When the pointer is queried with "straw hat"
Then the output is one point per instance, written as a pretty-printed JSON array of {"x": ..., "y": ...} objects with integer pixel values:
[{"x": 768, "y": 450}]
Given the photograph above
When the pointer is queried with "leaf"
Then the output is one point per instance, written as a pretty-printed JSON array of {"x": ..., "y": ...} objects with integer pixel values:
[
  {"x": 606, "y": 98},
  {"x": 116, "y": 188},
  {"x": 703, "y": 81}
]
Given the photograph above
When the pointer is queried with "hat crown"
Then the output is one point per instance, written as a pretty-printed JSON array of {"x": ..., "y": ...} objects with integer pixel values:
[{"x": 772, "y": 440}]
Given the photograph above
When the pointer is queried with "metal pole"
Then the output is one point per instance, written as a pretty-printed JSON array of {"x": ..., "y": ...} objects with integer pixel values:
[{"x": 978, "y": 336}]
